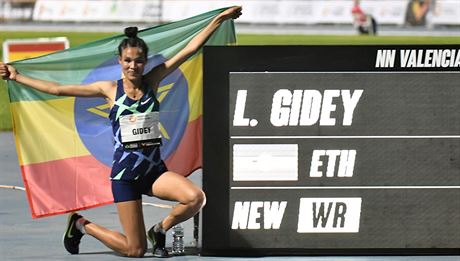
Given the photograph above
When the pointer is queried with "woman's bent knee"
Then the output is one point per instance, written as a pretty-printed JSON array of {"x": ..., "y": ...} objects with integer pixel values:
[
  {"x": 202, "y": 199},
  {"x": 199, "y": 199},
  {"x": 195, "y": 198},
  {"x": 136, "y": 252}
]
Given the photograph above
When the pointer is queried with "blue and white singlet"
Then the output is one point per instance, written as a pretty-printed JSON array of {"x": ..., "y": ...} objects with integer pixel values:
[{"x": 132, "y": 164}]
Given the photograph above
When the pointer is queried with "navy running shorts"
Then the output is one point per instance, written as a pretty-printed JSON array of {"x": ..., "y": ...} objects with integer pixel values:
[{"x": 127, "y": 190}]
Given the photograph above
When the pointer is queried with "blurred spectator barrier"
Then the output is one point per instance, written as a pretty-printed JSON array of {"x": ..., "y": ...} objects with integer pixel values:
[
  {"x": 16, "y": 10},
  {"x": 98, "y": 11},
  {"x": 295, "y": 12},
  {"x": 389, "y": 12},
  {"x": 446, "y": 12},
  {"x": 386, "y": 12}
]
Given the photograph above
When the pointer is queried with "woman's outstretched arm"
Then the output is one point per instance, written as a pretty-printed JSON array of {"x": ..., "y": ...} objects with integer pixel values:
[
  {"x": 162, "y": 70},
  {"x": 96, "y": 89}
]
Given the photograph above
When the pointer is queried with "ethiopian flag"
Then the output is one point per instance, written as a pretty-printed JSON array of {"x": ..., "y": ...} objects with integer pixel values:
[{"x": 65, "y": 144}]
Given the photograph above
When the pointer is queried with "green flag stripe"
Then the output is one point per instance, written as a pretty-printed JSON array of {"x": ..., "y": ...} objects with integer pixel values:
[
  {"x": 73, "y": 65},
  {"x": 18, "y": 92}
]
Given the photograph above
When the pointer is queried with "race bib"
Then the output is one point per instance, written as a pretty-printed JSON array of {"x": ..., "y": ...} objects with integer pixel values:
[{"x": 140, "y": 130}]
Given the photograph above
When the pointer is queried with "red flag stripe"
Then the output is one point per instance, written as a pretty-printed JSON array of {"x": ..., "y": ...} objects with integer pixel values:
[
  {"x": 60, "y": 186},
  {"x": 189, "y": 149}
]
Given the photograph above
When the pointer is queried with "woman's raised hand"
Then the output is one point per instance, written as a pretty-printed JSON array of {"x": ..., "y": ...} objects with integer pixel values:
[
  {"x": 232, "y": 12},
  {"x": 7, "y": 72}
]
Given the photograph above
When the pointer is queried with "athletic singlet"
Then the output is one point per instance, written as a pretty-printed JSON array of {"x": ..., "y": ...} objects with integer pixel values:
[{"x": 132, "y": 164}]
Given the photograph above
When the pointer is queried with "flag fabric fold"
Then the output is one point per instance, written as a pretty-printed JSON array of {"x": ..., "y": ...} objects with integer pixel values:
[{"x": 65, "y": 144}]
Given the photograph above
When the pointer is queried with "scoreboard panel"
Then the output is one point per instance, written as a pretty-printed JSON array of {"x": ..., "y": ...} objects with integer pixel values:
[{"x": 359, "y": 153}]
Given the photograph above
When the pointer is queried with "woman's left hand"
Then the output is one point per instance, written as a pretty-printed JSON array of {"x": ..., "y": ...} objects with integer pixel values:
[{"x": 232, "y": 12}]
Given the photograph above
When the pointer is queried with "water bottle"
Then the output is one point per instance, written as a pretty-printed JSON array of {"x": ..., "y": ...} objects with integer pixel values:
[{"x": 178, "y": 240}]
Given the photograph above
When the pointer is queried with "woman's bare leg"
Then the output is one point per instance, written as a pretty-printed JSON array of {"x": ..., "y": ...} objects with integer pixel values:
[
  {"x": 172, "y": 186},
  {"x": 134, "y": 242}
]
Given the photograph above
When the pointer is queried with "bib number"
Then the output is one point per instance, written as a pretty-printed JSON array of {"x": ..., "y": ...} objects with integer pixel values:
[{"x": 140, "y": 130}]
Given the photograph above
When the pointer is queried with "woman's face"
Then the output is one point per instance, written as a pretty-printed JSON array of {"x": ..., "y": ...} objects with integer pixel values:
[{"x": 132, "y": 61}]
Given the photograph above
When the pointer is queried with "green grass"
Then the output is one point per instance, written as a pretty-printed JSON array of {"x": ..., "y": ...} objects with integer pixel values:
[
  {"x": 77, "y": 38},
  {"x": 5, "y": 117}
]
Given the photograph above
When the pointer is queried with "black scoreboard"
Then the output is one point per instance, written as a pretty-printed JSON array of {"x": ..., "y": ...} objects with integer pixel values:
[{"x": 329, "y": 150}]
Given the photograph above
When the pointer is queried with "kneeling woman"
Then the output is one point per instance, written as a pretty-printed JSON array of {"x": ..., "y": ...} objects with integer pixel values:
[{"x": 137, "y": 168}]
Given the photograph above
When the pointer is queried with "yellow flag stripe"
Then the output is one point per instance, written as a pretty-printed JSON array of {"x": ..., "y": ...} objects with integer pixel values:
[
  {"x": 53, "y": 136},
  {"x": 192, "y": 69}
]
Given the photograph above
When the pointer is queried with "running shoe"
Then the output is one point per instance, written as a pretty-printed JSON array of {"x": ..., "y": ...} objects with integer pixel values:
[
  {"x": 72, "y": 235},
  {"x": 158, "y": 241}
]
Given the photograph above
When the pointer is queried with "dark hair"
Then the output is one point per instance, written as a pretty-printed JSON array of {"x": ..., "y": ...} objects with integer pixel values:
[{"x": 133, "y": 41}]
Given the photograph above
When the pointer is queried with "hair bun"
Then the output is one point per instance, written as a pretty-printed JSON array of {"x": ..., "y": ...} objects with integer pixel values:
[{"x": 131, "y": 32}]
